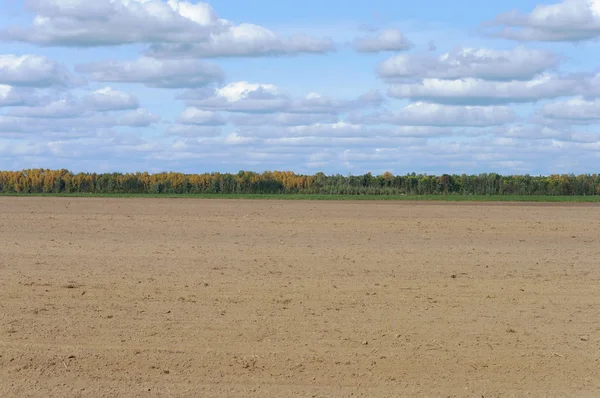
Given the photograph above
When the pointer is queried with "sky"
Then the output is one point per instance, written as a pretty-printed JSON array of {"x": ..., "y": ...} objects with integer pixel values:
[{"x": 333, "y": 86}]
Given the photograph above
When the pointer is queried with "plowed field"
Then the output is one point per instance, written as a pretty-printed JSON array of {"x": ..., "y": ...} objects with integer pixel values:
[{"x": 231, "y": 298}]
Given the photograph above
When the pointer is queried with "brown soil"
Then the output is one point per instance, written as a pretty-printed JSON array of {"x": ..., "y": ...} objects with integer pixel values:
[{"x": 217, "y": 298}]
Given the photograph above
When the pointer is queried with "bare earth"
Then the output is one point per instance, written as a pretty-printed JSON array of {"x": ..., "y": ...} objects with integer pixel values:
[{"x": 232, "y": 298}]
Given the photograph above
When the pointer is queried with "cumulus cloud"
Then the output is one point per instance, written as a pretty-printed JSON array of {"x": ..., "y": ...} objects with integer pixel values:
[
  {"x": 298, "y": 144},
  {"x": 385, "y": 40},
  {"x": 91, "y": 105},
  {"x": 319, "y": 129},
  {"x": 423, "y": 131},
  {"x": 429, "y": 114},
  {"x": 283, "y": 119},
  {"x": 203, "y": 137},
  {"x": 591, "y": 86},
  {"x": 109, "y": 22},
  {"x": 67, "y": 116},
  {"x": 12, "y": 125},
  {"x": 154, "y": 73},
  {"x": 57, "y": 109},
  {"x": 529, "y": 132},
  {"x": 173, "y": 27},
  {"x": 38, "y": 128},
  {"x": 573, "y": 110},
  {"x": 238, "y": 97},
  {"x": 64, "y": 127},
  {"x": 97, "y": 147},
  {"x": 17, "y": 96},
  {"x": 244, "y": 40},
  {"x": 333, "y": 130},
  {"x": 568, "y": 20},
  {"x": 236, "y": 139},
  {"x": 516, "y": 64},
  {"x": 316, "y": 103},
  {"x": 356, "y": 147},
  {"x": 470, "y": 91},
  {"x": 78, "y": 125},
  {"x": 34, "y": 71},
  {"x": 107, "y": 99},
  {"x": 237, "y": 91},
  {"x": 248, "y": 97},
  {"x": 347, "y": 142},
  {"x": 183, "y": 130},
  {"x": 138, "y": 118},
  {"x": 272, "y": 141},
  {"x": 201, "y": 117}
]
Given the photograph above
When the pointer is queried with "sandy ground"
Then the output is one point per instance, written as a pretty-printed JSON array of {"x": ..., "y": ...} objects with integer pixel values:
[{"x": 217, "y": 298}]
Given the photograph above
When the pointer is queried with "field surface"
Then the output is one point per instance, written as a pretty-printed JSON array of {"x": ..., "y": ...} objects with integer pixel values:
[{"x": 240, "y": 298}]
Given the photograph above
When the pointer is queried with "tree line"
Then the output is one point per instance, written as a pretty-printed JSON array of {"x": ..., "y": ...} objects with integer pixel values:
[{"x": 285, "y": 182}]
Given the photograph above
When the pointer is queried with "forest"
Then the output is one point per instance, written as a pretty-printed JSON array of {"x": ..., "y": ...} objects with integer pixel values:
[{"x": 34, "y": 181}]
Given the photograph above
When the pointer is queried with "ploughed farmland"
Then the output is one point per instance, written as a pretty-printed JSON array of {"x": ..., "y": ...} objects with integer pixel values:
[{"x": 216, "y": 298}]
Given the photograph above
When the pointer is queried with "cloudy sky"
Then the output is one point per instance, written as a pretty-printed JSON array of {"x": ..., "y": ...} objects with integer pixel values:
[{"x": 334, "y": 86}]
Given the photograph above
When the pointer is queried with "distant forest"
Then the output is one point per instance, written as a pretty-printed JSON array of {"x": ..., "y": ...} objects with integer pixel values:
[{"x": 244, "y": 182}]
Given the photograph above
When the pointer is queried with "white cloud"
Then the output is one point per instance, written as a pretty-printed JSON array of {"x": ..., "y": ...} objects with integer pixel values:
[
  {"x": 154, "y": 73},
  {"x": 238, "y": 97},
  {"x": 66, "y": 116},
  {"x": 574, "y": 110},
  {"x": 505, "y": 153},
  {"x": 237, "y": 91},
  {"x": 316, "y": 103},
  {"x": 429, "y": 114},
  {"x": 12, "y": 126},
  {"x": 569, "y": 20},
  {"x": 98, "y": 147},
  {"x": 283, "y": 119},
  {"x": 236, "y": 139},
  {"x": 90, "y": 105},
  {"x": 108, "y": 99},
  {"x": 591, "y": 86},
  {"x": 344, "y": 129},
  {"x": 257, "y": 98},
  {"x": 324, "y": 141},
  {"x": 58, "y": 109},
  {"x": 68, "y": 128},
  {"x": 138, "y": 118},
  {"x": 5, "y": 91},
  {"x": 423, "y": 131},
  {"x": 385, "y": 40},
  {"x": 585, "y": 137},
  {"x": 34, "y": 71},
  {"x": 516, "y": 64},
  {"x": 201, "y": 117},
  {"x": 109, "y": 22},
  {"x": 244, "y": 40},
  {"x": 182, "y": 130},
  {"x": 13, "y": 96},
  {"x": 329, "y": 130},
  {"x": 72, "y": 126},
  {"x": 481, "y": 92},
  {"x": 529, "y": 132},
  {"x": 175, "y": 28}
]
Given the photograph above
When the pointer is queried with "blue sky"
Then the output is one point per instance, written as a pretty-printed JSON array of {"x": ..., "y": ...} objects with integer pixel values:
[{"x": 335, "y": 86}]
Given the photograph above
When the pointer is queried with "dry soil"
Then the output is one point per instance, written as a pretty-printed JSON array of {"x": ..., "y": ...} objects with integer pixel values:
[{"x": 235, "y": 298}]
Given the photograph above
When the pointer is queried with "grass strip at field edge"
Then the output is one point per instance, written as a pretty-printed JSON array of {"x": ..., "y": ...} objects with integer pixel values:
[{"x": 443, "y": 198}]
